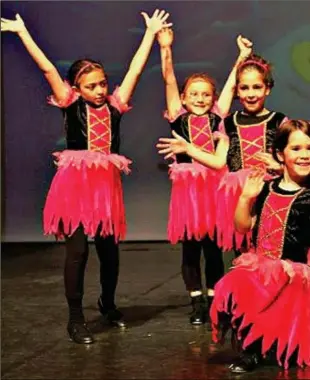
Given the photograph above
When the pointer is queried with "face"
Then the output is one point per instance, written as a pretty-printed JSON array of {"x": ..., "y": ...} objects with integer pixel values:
[
  {"x": 198, "y": 97},
  {"x": 93, "y": 87},
  {"x": 296, "y": 156},
  {"x": 252, "y": 91}
]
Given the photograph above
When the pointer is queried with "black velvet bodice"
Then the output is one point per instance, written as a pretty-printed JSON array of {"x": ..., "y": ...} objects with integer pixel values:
[
  {"x": 75, "y": 119},
  {"x": 297, "y": 230},
  {"x": 181, "y": 127},
  {"x": 272, "y": 120}
]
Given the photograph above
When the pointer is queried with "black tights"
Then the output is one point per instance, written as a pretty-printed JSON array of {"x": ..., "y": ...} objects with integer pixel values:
[
  {"x": 75, "y": 264},
  {"x": 214, "y": 265}
]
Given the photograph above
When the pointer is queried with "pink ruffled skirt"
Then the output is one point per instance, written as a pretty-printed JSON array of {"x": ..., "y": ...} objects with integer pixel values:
[
  {"x": 86, "y": 190},
  {"x": 272, "y": 297},
  {"x": 193, "y": 201}
]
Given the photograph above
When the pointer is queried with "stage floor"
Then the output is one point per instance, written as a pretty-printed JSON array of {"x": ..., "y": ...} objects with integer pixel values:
[{"x": 158, "y": 344}]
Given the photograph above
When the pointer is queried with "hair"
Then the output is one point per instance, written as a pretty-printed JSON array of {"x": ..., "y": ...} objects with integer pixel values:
[
  {"x": 257, "y": 63},
  {"x": 80, "y": 67},
  {"x": 283, "y": 134},
  {"x": 202, "y": 76}
]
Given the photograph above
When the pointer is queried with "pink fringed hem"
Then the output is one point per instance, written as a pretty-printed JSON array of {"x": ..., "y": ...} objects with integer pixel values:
[
  {"x": 86, "y": 190},
  {"x": 192, "y": 202},
  {"x": 227, "y": 197},
  {"x": 273, "y": 298}
]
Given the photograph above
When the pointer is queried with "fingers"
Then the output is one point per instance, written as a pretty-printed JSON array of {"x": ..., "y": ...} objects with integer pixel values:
[
  {"x": 165, "y": 151},
  {"x": 165, "y": 16},
  {"x": 257, "y": 174},
  {"x": 145, "y": 16},
  {"x": 167, "y": 140},
  {"x": 169, "y": 25},
  {"x": 156, "y": 12},
  {"x": 176, "y": 136},
  {"x": 170, "y": 155},
  {"x": 162, "y": 16}
]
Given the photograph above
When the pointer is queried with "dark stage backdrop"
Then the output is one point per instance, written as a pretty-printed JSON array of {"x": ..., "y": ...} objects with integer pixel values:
[{"x": 205, "y": 33}]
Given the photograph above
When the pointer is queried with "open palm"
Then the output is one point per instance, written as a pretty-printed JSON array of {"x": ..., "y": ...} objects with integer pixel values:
[
  {"x": 14, "y": 26},
  {"x": 157, "y": 21}
]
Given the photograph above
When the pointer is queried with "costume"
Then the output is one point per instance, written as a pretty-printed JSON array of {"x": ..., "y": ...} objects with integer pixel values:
[
  {"x": 87, "y": 187},
  {"x": 86, "y": 198},
  {"x": 248, "y": 135},
  {"x": 266, "y": 297},
  {"x": 192, "y": 202}
]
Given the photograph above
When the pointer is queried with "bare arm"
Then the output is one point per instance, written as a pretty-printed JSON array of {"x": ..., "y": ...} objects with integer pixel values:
[
  {"x": 177, "y": 145},
  {"x": 49, "y": 70},
  {"x": 227, "y": 94},
  {"x": 244, "y": 215},
  {"x": 165, "y": 39},
  {"x": 153, "y": 25}
]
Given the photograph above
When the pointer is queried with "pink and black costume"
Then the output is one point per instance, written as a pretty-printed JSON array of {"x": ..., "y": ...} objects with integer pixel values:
[
  {"x": 85, "y": 197},
  {"x": 192, "y": 202},
  {"x": 265, "y": 298},
  {"x": 248, "y": 135}
]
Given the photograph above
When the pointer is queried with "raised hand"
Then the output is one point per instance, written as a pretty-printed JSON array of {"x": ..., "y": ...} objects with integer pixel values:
[
  {"x": 269, "y": 161},
  {"x": 157, "y": 21},
  {"x": 245, "y": 46},
  {"x": 253, "y": 184},
  {"x": 15, "y": 26},
  {"x": 165, "y": 37},
  {"x": 172, "y": 146}
]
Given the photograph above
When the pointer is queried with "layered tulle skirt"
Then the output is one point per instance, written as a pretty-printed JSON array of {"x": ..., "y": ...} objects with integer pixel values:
[
  {"x": 192, "y": 209},
  {"x": 87, "y": 190},
  {"x": 271, "y": 297}
]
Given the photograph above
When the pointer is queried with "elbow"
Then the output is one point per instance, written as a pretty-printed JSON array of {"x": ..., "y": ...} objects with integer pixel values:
[
  {"x": 220, "y": 164},
  {"x": 50, "y": 70},
  {"x": 242, "y": 227}
]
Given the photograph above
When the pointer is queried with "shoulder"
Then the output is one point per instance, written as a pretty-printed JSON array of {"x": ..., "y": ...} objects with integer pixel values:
[{"x": 278, "y": 117}]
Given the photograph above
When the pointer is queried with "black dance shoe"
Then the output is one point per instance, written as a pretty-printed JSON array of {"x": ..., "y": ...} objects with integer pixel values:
[
  {"x": 112, "y": 315},
  {"x": 245, "y": 363},
  {"x": 80, "y": 333},
  {"x": 199, "y": 315}
]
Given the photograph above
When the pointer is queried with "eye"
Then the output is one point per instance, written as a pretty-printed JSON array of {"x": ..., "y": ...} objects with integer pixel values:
[{"x": 295, "y": 148}]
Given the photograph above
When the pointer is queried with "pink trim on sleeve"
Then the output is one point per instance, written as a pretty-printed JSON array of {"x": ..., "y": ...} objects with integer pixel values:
[
  {"x": 71, "y": 97},
  {"x": 117, "y": 103},
  {"x": 181, "y": 112},
  {"x": 216, "y": 109}
]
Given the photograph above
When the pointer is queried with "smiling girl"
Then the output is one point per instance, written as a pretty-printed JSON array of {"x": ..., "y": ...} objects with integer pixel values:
[{"x": 265, "y": 298}]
